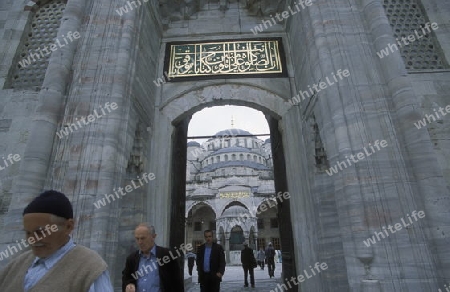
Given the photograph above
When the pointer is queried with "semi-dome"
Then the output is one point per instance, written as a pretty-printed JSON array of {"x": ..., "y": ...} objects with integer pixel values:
[
  {"x": 235, "y": 211},
  {"x": 202, "y": 192},
  {"x": 193, "y": 144},
  {"x": 232, "y": 132},
  {"x": 234, "y": 181},
  {"x": 266, "y": 189}
]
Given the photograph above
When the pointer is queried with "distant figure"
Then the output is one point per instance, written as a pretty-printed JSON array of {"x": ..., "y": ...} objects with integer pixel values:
[
  {"x": 279, "y": 255},
  {"x": 270, "y": 255},
  {"x": 191, "y": 261},
  {"x": 248, "y": 263},
  {"x": 261, "y": 256}
]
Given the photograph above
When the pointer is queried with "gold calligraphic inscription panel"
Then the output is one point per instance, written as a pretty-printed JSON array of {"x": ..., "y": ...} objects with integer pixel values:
[
  {"x": 234, "y": 195},
  {"x": 218, "y": 58}
]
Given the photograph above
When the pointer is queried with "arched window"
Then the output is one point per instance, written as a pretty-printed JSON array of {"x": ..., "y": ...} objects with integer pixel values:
[
  {"x": 236, "y": 238},
  {"x": 226, "y": 157},
  {"x": 34, "y": 55},
  {"x": 241, "y": 157},
  {"x": 233, "y": 157},
  {"x": 424, "y": 52}
]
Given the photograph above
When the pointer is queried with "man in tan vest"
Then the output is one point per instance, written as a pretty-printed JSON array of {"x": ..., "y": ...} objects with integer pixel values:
[{"x": 55, "y": 262}]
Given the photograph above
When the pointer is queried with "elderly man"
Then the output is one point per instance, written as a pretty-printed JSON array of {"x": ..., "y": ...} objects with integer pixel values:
[
  {"x": 151, "y": 268},
  {"x": 55, "y": 262}
]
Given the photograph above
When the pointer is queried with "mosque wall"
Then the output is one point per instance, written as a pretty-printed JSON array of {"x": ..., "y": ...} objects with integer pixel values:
[{"x": 118, "y": 57}]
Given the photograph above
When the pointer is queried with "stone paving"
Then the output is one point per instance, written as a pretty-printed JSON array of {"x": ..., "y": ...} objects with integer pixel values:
[{"x": 233, "y": 280}]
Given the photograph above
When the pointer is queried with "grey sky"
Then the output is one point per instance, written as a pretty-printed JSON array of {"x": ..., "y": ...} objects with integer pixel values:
[{"x": 209, "y": 121}]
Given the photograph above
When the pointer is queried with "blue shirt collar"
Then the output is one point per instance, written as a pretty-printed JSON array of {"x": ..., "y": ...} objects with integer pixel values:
[
  {"x": 51, "y": 260},
  {"x": 152, "y": 251}
]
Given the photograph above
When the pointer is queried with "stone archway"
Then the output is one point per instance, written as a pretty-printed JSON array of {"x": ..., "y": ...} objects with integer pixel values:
[{"x": 170, "y": 144}]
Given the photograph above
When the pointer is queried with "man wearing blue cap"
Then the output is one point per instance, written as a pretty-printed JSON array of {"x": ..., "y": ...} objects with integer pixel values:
[{"x": 55, "y": 262}]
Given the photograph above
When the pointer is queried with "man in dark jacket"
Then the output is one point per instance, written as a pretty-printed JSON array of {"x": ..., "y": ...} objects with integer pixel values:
[
  {"x": 151, "y": 268},
  {"x": 191, "y": 261},
  {"x": 210, "y": 264},
  {"x": 270, "y": 256},
  {"x": 248, "y": 263}
]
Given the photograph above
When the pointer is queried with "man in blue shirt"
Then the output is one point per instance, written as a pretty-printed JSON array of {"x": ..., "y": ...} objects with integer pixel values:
[
  {"x": 55, "y": 262},
  {"x": 210, "y": 264},
  {"x": 151, "y": 268}
]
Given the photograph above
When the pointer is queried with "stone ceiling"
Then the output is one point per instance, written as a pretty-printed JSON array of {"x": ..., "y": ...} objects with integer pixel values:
[{"x": 173, "y": 10}]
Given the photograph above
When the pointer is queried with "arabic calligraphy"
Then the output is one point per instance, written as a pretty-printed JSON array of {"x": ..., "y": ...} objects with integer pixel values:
[
  {"x": 234, "y": 195},
  {"x": 217, "y": 58}
]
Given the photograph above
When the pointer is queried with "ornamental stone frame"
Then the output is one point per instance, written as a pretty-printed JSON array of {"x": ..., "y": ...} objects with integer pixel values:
[{"x": 181, "y": 105}]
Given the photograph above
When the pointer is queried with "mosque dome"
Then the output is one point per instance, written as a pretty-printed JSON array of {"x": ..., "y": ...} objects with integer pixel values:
[
  {"x": 232, "y": 149},
  {"x": 193, "y": 144},
  {"x": 232, "y": 132},
  {"x": 235, "y": 163}
]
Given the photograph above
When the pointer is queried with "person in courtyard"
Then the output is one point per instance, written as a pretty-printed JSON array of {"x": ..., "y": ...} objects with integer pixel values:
[
  {"x": 151, "y": 268},
  {"x": 270, "y": 256},
  {"x": 191, "y": 261},
  {"x": 210, "y": 264},
  {"x": 261, "y": 257},
  {"x": 55, "y": 262},
  {"x": 248, "y": 264}
]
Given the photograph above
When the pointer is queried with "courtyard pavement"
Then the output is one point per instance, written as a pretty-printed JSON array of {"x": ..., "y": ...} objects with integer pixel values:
[{"x": 233, "y": 280}]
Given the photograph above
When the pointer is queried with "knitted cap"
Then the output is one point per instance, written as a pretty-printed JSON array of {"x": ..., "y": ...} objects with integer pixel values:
[{"x": 51, "y": 202}]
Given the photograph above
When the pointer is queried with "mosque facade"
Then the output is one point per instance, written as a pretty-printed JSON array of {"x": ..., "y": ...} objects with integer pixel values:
[{"x": 228, "y": 178}]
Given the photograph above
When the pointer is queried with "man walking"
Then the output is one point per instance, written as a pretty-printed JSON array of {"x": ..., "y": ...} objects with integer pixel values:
[
  {"x": 248, "y": 263},
  {"x": 151, "y": 268},
  {"x": 261, "y": 257},
  {"x": 191, "y": 260},
  {"x": 210, "y": 264},
  {"x": 270, "y": 255}
]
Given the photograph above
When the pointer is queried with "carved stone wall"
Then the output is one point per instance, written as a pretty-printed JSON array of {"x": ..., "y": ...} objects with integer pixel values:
[{"x": 118, "y": 57}]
